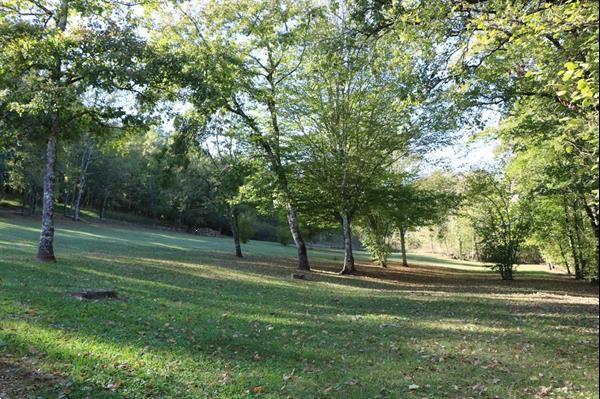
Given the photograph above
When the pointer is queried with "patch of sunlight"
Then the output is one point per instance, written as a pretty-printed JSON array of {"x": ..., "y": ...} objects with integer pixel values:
[
  {"x": 9, "y": 244},
  {"x": 363, "y": 283},
  {"x": 71, "y": 345},
  {"x": 536, "y": 297},
  {"x": 466, "y": 327},
  {"x": 84, "y": 233},
  {"x": 5, "y": 225},
  {"x": 285, "y": 321},
  {"x": 169, "y": 246},
  {"x": 176, "y": 236},
  {"x": 219, "y": 272},
  {"x": 545, "y": 298},
  {"x": 149, "y": 283}
]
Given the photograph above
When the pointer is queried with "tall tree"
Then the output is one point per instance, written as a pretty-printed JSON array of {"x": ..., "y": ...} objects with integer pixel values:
[
  {"x": 402, "y": 204},
  {"x": 240, "y": 55},
  {"x": 360, "y": 105},
  {"x": 59, "y": 60},
  {"x": 500, "y": 217},
  {"x": 216, "y": 141}
]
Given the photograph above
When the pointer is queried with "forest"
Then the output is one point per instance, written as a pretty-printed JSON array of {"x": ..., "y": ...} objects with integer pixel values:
[{"x": 354, "y": 142}]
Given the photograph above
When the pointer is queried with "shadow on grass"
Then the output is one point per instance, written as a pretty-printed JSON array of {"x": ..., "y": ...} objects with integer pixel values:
[
  {"x": 232, "y": 332},
  {"x": 201, "y": 309}
]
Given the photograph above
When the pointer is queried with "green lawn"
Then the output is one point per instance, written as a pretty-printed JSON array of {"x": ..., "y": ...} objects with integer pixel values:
[{"x": 199, "y": 323}]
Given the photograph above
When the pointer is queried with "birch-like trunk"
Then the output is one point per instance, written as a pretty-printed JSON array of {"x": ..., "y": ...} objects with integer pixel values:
[
  {"x": 297, "y": 237},
  {"x": 403, "y": 246},
  {"x": 86, "y": 160},
  {"x": 46, "y": 244},
  {"x": 235, "y": 230},
  {"x": 348, "y": 266},
  {"x": 104, "y": 203}
]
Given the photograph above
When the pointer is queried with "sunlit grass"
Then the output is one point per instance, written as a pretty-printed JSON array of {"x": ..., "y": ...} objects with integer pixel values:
[{"x": 199, "y": 322}]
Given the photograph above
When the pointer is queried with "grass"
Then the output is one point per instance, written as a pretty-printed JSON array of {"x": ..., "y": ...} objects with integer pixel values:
[{"x": 199, "y": 323}]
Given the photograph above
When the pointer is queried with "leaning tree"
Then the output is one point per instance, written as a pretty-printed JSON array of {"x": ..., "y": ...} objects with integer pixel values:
[{"x": 239, "y": 55}]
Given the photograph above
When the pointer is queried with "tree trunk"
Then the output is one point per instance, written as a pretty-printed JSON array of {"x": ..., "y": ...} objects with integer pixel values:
[
  {"x": 403, "y": 246},
  {"x": 348, "y": 266},
  {"x": 104, "y": 202},
  {"x": 77, "y": 206},
  {"x": 574, "y": 254},
  {"x": 66, "y": 196},
  {"x": 592, "y": 213},
  {"x": 77, "y": 203},
  {"x": 506, "y": 272},
  {"x": 579, "y": 274},
  {"x": 572, "y": 243},
  {"x": 86, "y": 159},
  {"x": 564, "y": 258},
  {"x": 23, "y": 202},
  {"x": 46, "y": 244},
  {"x": 298, "y": 240},
  {"x": 235, "y": 230}
]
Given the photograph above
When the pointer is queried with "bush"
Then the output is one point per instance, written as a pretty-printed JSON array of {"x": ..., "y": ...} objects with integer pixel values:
[{"x": 284, "y": 236}]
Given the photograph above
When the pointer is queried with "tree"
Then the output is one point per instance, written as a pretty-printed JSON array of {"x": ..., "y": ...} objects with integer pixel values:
[
  {"x": 59, "y": 61},
  {"x": 542, "y": 59},
  {"x": 25, "y": 174},
  {"x": 348, "y": 119},
  {"x": 500, "y": 218},
  {"x": 239, "y": 56},
  {"x": 360, "y": 105},
  {"x": 404, "y": 203},
  {"x": 534, "y": 62}
]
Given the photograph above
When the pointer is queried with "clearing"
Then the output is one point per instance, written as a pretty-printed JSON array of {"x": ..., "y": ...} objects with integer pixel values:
[{"x": 199, "y": 323}]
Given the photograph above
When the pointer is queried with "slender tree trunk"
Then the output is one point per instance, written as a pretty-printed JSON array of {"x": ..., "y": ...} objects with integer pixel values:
[
  {"x": 403, "y": 246},
  {"x": 592, "y": 213},
  {"x": 66, "y": 196},
  {"x": 46, "y": 244},
  {"x": 77, "y": 202},
  {"x": 507, "y": 272},
  {"x": 86, "y": 159},
  {"x": 574, "y": 254},
  {"x": 579, "y": 274},
  {"x": 23, "y": 202},
  {"x": 297, "y": 237},
  {"x": 572, "y": 242},
  {"x": 235, "y": 230},
  {"x": 33, "y": 201},
  {"x": 104, "y": 202},
  {"x": 348, "y": 266},
  {"x": 564, "y": 258}
]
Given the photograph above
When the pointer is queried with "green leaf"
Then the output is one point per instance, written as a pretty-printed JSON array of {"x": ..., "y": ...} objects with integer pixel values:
[
  {"x": 570, "y": 66},
  {"x": 569, "y": 149}
]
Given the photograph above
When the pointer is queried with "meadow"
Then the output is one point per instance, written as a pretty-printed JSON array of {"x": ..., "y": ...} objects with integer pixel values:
[{"x": 196, "y": 322}]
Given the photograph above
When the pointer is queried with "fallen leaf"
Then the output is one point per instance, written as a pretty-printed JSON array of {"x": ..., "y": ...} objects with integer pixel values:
[{"x": 257, "y": 389}]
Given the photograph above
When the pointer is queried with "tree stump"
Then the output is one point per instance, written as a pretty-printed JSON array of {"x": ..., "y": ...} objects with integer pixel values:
[{"x": 96, "y": 294}]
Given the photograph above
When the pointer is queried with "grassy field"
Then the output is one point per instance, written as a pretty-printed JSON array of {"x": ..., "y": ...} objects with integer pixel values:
[{"x": 199, "y": 323}]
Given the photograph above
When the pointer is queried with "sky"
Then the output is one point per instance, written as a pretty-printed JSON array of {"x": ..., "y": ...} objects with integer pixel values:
[{"x": 463, "y": 155}]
